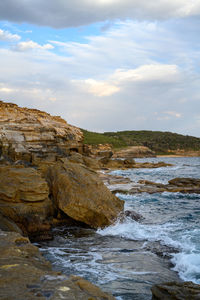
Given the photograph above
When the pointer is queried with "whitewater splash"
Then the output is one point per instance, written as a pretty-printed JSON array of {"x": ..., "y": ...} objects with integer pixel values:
[{"x": 179, "y": 234}]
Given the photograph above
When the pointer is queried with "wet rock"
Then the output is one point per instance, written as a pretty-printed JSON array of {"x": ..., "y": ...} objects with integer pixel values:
[
  {"x": 176, "y": 185},
  {"x": 152, "y": 165},
  {"x": 81, "y": 195},
  {"x": 185, "y": 182},
  {"x": 161, "y": 250},
  {"x": 176, "y": 291},
  {"x": 26, "y": 275},
  {"x": 109, "y": 179},
  {"x": 133, "y": 215},
  {"x": 148, "y": 182}
]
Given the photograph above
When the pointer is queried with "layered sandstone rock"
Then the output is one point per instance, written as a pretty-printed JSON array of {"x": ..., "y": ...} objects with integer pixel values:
[
  {"x": 31, "y": 143},
  {"x": 24, "y": 198},
  {"x": 99, "y": 150},
  {"x": 81, "y": 195},
  {"x": 32, "y": 135},
  {"x": 26, "y": 275},
  {"x": 134, "y": 152}
]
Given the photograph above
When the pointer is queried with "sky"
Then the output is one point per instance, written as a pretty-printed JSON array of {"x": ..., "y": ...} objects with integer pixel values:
[{"x": 104, "y": 65}]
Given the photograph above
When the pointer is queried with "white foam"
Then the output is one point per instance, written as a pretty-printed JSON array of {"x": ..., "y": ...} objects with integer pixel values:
[
  {"x": 187, "y": 262},
  {"x": 188, "y": 266},
  {"x": 136, "y": 231}
]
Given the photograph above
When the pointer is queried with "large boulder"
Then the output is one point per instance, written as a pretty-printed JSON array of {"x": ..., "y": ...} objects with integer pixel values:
[
  {"x": 32, "y": 135},
  {"x": 185, "y": 182},
  {"x": 176, "y": 291},
  {"x": 116, "y": 163},
  {"x": 24, "y": 198},
  {"x": 79, "y": 193}
]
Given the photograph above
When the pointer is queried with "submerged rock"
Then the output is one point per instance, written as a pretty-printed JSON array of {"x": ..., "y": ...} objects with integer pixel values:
[
  {"x": 185, "y": 182},
  {"x": 176, "y": 291},
  {"x": 26, "y": 275},
  {"x": 81, "y": 195},
  {"x": 176, "y": 185}
]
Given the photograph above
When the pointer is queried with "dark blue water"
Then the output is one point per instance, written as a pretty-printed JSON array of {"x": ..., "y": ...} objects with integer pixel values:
[{"x": 126, "y": 259}]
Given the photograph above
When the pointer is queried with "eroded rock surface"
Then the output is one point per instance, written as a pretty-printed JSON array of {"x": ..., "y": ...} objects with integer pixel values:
[
  {"x": 134, "y": 152},
  {"x": 26, "y": 275},
  {"x": 81, "y": 195},
  {"x": 24, "y": 199},
  {"x": 176, "y": 291},
  {"x": 32, "y": 135},
  {"x": 100, "y": 150}
]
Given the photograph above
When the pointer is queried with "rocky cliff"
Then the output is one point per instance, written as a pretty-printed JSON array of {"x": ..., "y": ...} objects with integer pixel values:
[
  {"x": 39, "y": 185},
  {"x": 32, "y": 135}
]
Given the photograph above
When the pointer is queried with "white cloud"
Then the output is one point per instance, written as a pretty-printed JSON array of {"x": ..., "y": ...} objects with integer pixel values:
[
  {"x": 7, "y": 36},
  {"x": 168, "y": 115},
  {"x": 62, "y": 13},
  {"x": 173, "y": 114},
  {"x": 114, "y": 81},
  {"x": 6, "y": 90},
  {"x": 30, "y": 45},
  {"x": 97, "y": 88},
  {"x": 160, "y": 72}
]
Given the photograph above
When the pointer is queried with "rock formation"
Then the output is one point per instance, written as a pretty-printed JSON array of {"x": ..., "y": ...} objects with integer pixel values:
[
  {"x": 32, "y": 135},
  {"x": 99, "y": 150},
  {"x": 26, "y": 275},
  {"x": 176, "y": 291},
  {"x": 81, "y": 195},
  {"x": 134, "y": 152},
  {"x": 24, "y": 199},
  {"x": 41, "y": 184},
  {"x": 176, "y": 185}
]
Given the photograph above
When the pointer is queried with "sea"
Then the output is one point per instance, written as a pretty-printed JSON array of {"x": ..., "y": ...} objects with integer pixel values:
[{"x": 127, "y": 258}]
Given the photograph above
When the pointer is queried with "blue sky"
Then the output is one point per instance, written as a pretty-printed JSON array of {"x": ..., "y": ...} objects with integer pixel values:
[{"x": 106, "y": 65}]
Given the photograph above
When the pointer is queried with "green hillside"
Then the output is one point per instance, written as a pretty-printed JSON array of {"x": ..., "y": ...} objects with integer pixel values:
[
  {"x": 157, "y": 141},
  {"x": 94, "y": 138}
]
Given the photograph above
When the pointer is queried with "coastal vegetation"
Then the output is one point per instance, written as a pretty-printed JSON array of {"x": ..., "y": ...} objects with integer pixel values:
[{"x": 158, "y": 141}]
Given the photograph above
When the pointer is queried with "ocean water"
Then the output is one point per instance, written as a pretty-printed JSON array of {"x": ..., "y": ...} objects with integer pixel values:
[{"x": 126, "y": 259}]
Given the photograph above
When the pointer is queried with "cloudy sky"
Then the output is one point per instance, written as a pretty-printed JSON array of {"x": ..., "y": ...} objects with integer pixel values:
[{"x": 104, "y": 65}]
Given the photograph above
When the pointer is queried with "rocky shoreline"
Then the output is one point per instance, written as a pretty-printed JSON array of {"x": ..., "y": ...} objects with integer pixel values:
[
  {"x": 118, "y": 184},
  {"x": 47, "y": 179},
  {"x": 25, "y": 274}
]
